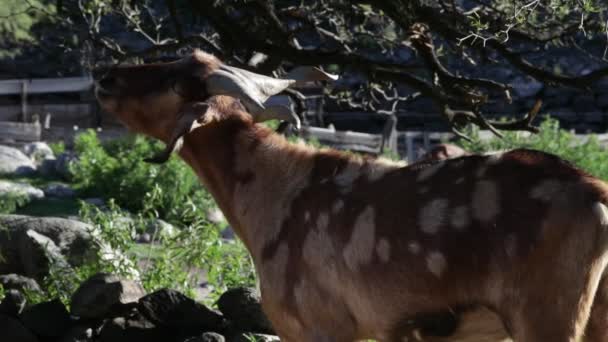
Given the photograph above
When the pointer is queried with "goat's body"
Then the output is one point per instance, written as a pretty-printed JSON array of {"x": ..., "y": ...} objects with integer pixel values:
[{"x": 347, "y": 248}]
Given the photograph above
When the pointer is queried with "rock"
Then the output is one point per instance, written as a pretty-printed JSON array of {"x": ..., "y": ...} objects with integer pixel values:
[
  {"x": 105, "y": 294},
  {"x": 46, "y": 167},
  {"x": 248, "y": 337},
  {"x": 227, "y": 233},
  {"x": 63, "y": 162},
  {"x": 74, "y": 239},
  {"x": 169, "y": 308},
  {"x": 215, "y": 215},
  {"x": 48, "y": 320},
  {"x": 133, "y": 329},
  {"x": 98, "y": 202},
  {"x": 38, "y": 254},
  {"x": 13, "y": 303},
  {"x": 242, "y": 307},
  {"x": 159, "y": 228},
  {"x": 144, "y": 238},
  {"x": 79, "y": 333},
  {"x": 19, "y": 282},
  {"x": 14, "y": 162},
  {"x": 38, "y": 151},
  {"x": 526, "y": 86},
  {"x": 12, "y": 330},
  {"x": 20, "y": 189},
  {"x": 59, "y": 190},
  {"x": 207, "y": 337}
]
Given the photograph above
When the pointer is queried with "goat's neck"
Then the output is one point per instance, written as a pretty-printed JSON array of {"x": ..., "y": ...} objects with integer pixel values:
[{"x": 252, "y": 173}]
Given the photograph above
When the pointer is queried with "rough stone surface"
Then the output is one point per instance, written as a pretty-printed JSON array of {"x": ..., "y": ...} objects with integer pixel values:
[
  {"x": 47, "y": 167},
  {"x": 245, "y": 337},
  {"x": 172, "y": 309},
  {"x": 38, "y": 254},
  {"x": 20, "y": 189},
  {"x": 207, "y": 337},
  {"x": 49, "y": 319},
  {"x": 19, "y": 282},
  {"x": 62, "y": 165},
  {"x": 73, "y": 238},
  {"x": 133, "y": 329},
  {"x": 104, "y": 294},
  {"x": 38, "y": 151},
  {"x": 79, "y": 333},
  {"x": 13, "y": 303},
  {"x": 12, "y": 330},
  {"x": 59, "y": 190},
  {"x": 228, "y": 233},
  {"x": 15, "y": 162},
  {"x": 242, "y": 307}
]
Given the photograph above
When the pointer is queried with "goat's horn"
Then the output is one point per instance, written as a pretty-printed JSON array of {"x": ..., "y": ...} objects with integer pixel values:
[
  {"x": 279, "y": 113},
  {"x": 254, "y": 89}
]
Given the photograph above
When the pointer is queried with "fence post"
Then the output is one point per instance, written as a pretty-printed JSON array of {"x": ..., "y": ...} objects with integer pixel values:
[
  {"x": 24, "y": 101},
  {"x": 409, "y": 146}
]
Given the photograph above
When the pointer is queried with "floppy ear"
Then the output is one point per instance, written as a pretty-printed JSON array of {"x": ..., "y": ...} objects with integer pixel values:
[{"x": 190, "y": 118}]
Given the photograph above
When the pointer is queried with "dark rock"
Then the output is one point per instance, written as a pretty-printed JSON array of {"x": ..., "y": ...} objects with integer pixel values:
[
  {"x": 19, "y": 282},
  {"x": 59, "y": 190},
  {"x": 207, "y": 337},
  {"x": 24, "y": 190},
  {"x": 105, "y": 294},
  {"x": 13, "y": 303},
  {"x": 248, "y": 337},
  {"x": 38, "y": 150},
  {"x": 172, "y": 309},
  {"x": 38, "y": 254},
  {"x": 48, "y": 319},
  {"x": 47, "y": 167},
  {"x": 62, "y": 165},
  {"x": 144, "y": 238},
  {"x": 79, "y": 333},
  {"x": 134, "y": 328},
  {"x": 12, "y": 330},
  {"x": 242, "y": 307}
]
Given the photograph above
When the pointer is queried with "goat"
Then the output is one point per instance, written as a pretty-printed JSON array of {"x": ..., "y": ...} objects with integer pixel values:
[{"x": 347, "y": 248}]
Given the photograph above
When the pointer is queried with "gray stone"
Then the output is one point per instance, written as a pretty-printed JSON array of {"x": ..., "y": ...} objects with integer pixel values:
[
  {"x": 144, "y": 238},
  {"x": 13, "y": 303},
  {"x": 62, "y": 165},
  {"x": 242, "y": 307},
  {"x": 73, "y": 238},
  {"x": 38, "y": 253},
  {"x": 207, "y": 337},
  {"x": 9, "y": 188},
  {"x": 15, "y": 162},
  {"x": 12, "y": 330},
  {"x": 79, "y": 333},
  {"x": 47, "y": 167},
  {"x": 98, "y": 202},
  {"x": 49, "y": 319},
  {"x": 38, "y": 151},
  {"x": 171, "y": 309},
  {"x": 19, "y": 282},
  {"x": 134, "y": 328},
  {"x": 159, "y": 228},
  {"x": 215, "y": 215},
  {"x": 59, "y": 190},
  {"x": 248, "y": 337},
  {"x": 227, "y": 233},
  {"x": 105, "y": 294},
  {"x": 526, "y": 86}
]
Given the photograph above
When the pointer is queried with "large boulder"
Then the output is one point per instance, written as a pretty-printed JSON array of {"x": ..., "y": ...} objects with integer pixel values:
[
  {"x": 47, "y": 320},
  {"x": 105, "y": 295},
  {"x": 171, "y": 309},
  {"x": 38, "y": 151},
  {"x": 74, "y": 240},
  {"x": 15, "y": 162},
  {"x": 12, "y": 330},
  {"x": 39, "y": 254},
  {"x": 63, "y": 162},
  {"x": 207, "y": 337},
  {"x": 134, "y": 328},
  {"x": 59, "y": 190},
  {"x": 13, "y": 303},
  {"x": 19, "y": 189},
  {"x": 19, "y": 282},
  {"x": 242, "y": 307},
  {"x": 78, "y": 333}
]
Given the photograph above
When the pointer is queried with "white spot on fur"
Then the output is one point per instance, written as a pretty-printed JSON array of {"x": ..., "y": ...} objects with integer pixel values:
[
  {"x": 414, "y": 247},
  {"x": 383, "y": 248},
  {"x": 429, "y": 171},
  {"x": 433, "y": 215},
  {"x": 460, "y": 218},
  {"x": 546, "y": 190},
  {"x": 322, "y": 221},
  {"x": 338, "y": 205},
  {"x": 436, "y": 263},
  {"x": 485, "y": 203},
  {"x": 360, "y": 247}
]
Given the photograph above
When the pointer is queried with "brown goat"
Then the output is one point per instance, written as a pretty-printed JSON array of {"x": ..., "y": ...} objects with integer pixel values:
[{"x": 347, "y": 248}]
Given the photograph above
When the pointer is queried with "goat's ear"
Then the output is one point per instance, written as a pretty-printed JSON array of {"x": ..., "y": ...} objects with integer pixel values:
[{"x": 190, "y": 118}]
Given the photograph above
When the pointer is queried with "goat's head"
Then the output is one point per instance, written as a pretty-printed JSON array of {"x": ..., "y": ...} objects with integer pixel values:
[{"x": 156, "y": 99}]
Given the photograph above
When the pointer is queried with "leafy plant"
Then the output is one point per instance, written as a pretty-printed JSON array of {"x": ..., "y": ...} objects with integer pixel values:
[{"x": 10, "y": 202}]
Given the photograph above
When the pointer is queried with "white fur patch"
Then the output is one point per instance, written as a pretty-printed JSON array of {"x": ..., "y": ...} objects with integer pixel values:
[
  {"x": 383, "y": 248},
  {"x": 433, "y": 215},
  {"x": 429, "y": 171},
  {"x": 436, "y": 263},
  {"x": 460, "y": 218},
  {"x": 485, "y": 203},
  {"x": 546, "y": 190},
  {"x": 360, "y": 247},
  {"x": 414, "y": 247}
]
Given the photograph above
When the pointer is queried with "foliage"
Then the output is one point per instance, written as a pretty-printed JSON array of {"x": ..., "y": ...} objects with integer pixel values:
[
  {"x": 587, "y": 154},
  {"x": 9, "y": 203},
  {"x": 16, "y": 20},
  {"x": 57, "y": 147},
  {"x": 116, "y": 170}
]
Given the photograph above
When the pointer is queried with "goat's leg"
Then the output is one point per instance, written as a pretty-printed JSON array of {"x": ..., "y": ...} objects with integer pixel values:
[{"x": 597, "y": 328}]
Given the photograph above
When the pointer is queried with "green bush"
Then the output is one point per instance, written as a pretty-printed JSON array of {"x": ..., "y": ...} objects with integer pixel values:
[
  {"x": 586, "y": 153},
  {"x": 9, "y": 203},
  {"x": 117, "y": 170}
]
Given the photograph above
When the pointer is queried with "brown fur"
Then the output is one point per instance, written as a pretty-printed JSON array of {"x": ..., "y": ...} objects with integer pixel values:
[{"x": 533, "y": 259}]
